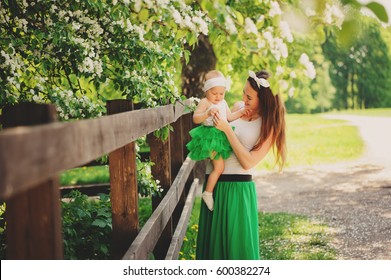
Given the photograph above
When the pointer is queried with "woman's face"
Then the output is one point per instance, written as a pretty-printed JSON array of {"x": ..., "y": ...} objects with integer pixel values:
[{"x": 250, "y": 98}]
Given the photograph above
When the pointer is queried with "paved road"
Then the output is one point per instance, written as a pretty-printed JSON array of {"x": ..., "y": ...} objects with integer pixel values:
[{"x": 353, "y": 197}]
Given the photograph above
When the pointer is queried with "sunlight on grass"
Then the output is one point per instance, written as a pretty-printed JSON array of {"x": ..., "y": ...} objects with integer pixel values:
[
  {"x": 312, "y": 139},
  {"x": 282, "y": 237},
  {"x": 293, "y": 237},
  {"x": 85, "y": 175}
]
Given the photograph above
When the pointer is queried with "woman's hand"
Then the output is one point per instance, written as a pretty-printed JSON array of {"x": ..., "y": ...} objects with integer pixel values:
[
  {"x": 221, "y": 123},
  {"x": 213, "y": 111}
]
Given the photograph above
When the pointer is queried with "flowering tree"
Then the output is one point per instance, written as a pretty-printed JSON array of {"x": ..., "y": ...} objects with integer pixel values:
[{"x": 77, "y": 53}]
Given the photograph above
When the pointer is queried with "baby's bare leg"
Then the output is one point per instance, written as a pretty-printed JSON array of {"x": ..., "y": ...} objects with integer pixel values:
[
  {"x": 218, "y": 168},
  {"x": 207, "y": 195}
]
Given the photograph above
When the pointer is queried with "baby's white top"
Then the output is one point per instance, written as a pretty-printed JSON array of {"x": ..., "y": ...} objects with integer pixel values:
[
  {"x": 248, "y": 133},
  {"x": 222, "y": 106}
]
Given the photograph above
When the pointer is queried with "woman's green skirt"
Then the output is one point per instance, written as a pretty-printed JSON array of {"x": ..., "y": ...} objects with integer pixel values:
[{"x": 230, "y": 231}]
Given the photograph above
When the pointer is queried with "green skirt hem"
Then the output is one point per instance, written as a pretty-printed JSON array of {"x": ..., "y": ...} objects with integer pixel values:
[{"x": 230, "y": 231}]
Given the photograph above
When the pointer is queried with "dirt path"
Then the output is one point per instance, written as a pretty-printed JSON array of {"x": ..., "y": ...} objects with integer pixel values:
[{"x": 354, "y": 198}]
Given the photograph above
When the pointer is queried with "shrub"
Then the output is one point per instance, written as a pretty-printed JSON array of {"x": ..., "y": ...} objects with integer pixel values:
[{"x": 87, "y": 226}]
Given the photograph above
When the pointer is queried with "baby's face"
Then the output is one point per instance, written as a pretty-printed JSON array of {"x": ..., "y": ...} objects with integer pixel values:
[{"x": 215, "y": 94}]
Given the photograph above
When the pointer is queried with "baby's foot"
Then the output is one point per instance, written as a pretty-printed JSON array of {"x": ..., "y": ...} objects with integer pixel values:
[{"x": 208, "y": 199}]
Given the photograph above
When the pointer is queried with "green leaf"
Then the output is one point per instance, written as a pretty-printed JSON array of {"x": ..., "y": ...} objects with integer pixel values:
[
  {"x": 348, "y": 33},
  {"x": 187, "y": 55},
  {"x": 99, "y": 223},
  {"x": 320, "y": 34},
  {"x": 354, "y": 3},
  {"x": 378, "y": 10},
  {"x": 239, "y": 17},
  {"x": 143, "y": 15}
]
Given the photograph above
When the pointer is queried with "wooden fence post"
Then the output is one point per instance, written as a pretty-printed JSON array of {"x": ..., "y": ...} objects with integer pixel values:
[
  {"x": 160, "y": 154},
  {"x": 123, "y": 188},
  {"x": 187, "y": 126},
  {"x": 33, "y": 217}
]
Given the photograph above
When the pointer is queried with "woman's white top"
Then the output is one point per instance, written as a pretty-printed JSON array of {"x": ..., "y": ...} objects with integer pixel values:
[
  {"x": 222, "y": 106},
  {"x": 248, "y": 133}
]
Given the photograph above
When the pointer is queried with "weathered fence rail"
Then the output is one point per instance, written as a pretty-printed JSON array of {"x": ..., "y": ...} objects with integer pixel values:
[{"x": 33, "y": 153}]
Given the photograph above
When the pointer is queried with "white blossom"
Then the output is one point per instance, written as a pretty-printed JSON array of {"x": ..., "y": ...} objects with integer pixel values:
[
  {"x": 310, "y": 71},
  {"x": 203, "y": 26},
  {"x": 285, "y": 31},
  {"x": 188, "y": 23},
  {"x": 149, "y": 4},
  {"x": 282, "y": 47},
  {"x": 279, "y": 70},
  {"x": 176, "y": 16},
  {"x": 269, "y": 37},
  {"x": 76, "y": 26},
  {"x": 137, "y": 5},
  {"x": 293, "y": 75},
  {"x": 333, "y": 15},
  {"x": 283, "y": 85},
  {"x": 275, "y": 9},
  {"x": 261, "y": 43},
  {"x": 309, "y": 12},
  {"x": 291, "y": 92},
  {"x": 230, "y": 25},
  {"x": 250, "y": 26}
]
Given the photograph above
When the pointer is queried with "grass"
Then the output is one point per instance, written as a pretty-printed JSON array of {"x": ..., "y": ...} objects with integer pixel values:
[
  {"x": 188, "y": 250},
  {"x": 312, "y": 139},
  {"x": 282, "y": 237},
  {"x": 144, "y": 210},
  {"x": 85, "y": 175},
  {"x": 294, "y": 237}
]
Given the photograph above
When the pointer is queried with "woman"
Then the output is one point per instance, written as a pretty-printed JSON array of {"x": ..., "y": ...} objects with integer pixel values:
[{"x": 231, "y": 230}]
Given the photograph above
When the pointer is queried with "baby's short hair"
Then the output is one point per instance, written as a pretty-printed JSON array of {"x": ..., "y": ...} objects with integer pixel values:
[{"x": 213, "y": 74}]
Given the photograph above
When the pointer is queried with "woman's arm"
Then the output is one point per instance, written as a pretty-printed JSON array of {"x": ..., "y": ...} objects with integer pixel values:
[{"x": 247, "y": 159}]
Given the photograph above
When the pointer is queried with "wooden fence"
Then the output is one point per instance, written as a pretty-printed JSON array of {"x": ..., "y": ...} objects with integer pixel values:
[{"x": 34, "y": 149}]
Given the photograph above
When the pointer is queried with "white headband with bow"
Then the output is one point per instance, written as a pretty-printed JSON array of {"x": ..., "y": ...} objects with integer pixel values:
[
  {"x": 260, "y": 81},
  {"x": 217, "y": 82}
]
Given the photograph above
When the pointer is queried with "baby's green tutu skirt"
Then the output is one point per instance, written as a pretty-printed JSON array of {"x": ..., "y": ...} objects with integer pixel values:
[{"x": 206, "y": 140}]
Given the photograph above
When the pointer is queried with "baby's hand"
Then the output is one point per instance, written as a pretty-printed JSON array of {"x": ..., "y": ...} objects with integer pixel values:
[
  {"x": 245, "y": 112},
  {"x": 213, "y": 111}
]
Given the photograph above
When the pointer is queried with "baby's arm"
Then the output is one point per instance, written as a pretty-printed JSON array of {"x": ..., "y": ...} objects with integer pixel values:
[
  {"x": 237, "y": 113},
  {"x": 202, "y": 113}
]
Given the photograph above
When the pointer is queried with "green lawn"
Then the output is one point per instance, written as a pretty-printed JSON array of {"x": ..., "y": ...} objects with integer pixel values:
[
  {"x": 312, "y": 139},
  {"x": 85, "y": 175}
]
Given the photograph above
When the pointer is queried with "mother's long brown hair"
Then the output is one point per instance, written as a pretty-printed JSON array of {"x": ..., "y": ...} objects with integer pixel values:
[{"x": 272, "y": 112}]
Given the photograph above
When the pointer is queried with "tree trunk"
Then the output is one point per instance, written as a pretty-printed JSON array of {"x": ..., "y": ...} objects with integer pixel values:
[
  {"x": 352, "y": 90},
  {"x": 202, "y": 59},
  {"x": 346, "y": 91}
]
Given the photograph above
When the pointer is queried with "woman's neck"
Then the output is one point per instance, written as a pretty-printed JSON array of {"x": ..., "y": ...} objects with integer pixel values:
[{"x": 251, "y": 118}]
